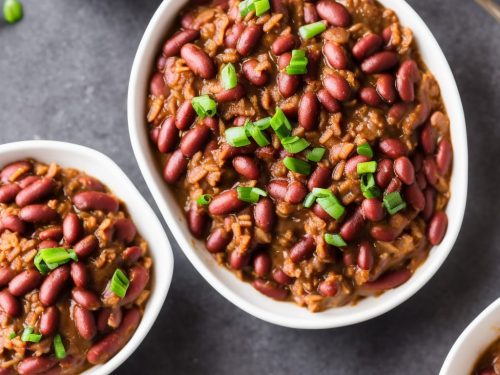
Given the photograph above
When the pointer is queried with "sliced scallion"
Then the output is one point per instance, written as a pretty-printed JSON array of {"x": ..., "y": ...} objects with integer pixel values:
[
  {"x": 297, "y": 165},
  {"x": 294, "y": 144},
  {"x": 204, "y": 200},
  {"x": 263, "y": 123},
  {"x": 332, "y": 206},
  {"x": 29, "y": 336},
  {"x": 237, "y": 136},
  {"x": 250, "y": 194},
  {"x": 59, "y": 349},
  {"x": 366, "y": 167},
  {"x": 365, "y": 150},
  {"x": 53, "y": 257},
  {"x": 228, "y": 77},
  {"x": 204, "y": 106},
  {"x": 394, "y": 203},
  {"x": 368, "y": 186},
  {"x": 298, "y": 63},
  {"x": 316, "y": 154},
  {"x": 256, "y": 134},
  {"x": 311, "y": 30},
  {"x": 119, "y": 283},
  {"x": 335, "y": 239}
]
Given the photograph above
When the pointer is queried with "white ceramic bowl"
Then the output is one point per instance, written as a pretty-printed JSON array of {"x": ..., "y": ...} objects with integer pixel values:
[
  {"x": 242, "y": 294},
  {"x": 103, "y": 168},
  {"x": 473, "y": 341}
]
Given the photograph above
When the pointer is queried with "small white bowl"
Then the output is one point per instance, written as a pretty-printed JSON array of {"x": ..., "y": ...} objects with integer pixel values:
[
  {"x": 242, "y": 294},
  {"x": 103, "y": 168},
  {"x": 474, "y": 340}
]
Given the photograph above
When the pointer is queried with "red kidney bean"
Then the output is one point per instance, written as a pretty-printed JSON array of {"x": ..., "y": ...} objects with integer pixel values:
[
  {"x": 337, "y": 86},
  {"x": 329, "y": 102},
  {"x": 72, "y": 228},
  {"x": 367, "y": 46},
  {"x": 160, "y": 63},
  {"x": 54, "y": 233},
  {"x": 394, "y": 185},
  {"x": 218, "y": 240},
  {"x": 310, "y": 13},
  {"x": 187, "y": 20},
  {"x": 421, "y": 180},
  {"x": 25, "y": 182},
  {"x": 14, "y": 169},
  {"x": 430, "y": 169},
  {"x": 372, "y": 209},
  {"x": 247, "y": 167},
  {"x": 270, "y": 290},
  {"x": 226, "y": 203},
  {"x": 379, "y": 62},
  {"x": 257, "y": 78},
  {"x": 287, "y": 84},
  {"x": 428, "y": 138},
  {"x": 53, "y": 285},
  {"x": 280, "y": 277},
  {"x": 303, "y": 249},
  {"x": 6, "y": 274},
  {"x": 139, "y": 278},
  {"x": 397, "y": 112},
  {"x": 277, "y": 189},
  {"x": 194, "y": 140},
  {"x": 49, "y": 321},
  {"x": 321, "y": 213},
  {"x": 348, "y": 259},
  {"x": 387, "y": 34},
  {"x": 351, "y": 165},
  {"x": 12, "y": 223},
  {"x": 320, "y": 178},
  {"x": 157, "y": 85},
  {"x": 36, "y": 365},
  {"x": 233, "y": 34},
  {"x": 90, "y": 183},
  {"x": 308, "y": 111},
  {"x": 352, "y": 225},
  {"x": 283, "y": 43},
  {"x": 198, "y": 61},
  {"x": 108, "y": 346},
  {"x": 393, "y": 148},
  {"x": 444, "y": 156},
  {"x": 84, "y": 322},
  {"x": 264, "y": 214},
  {"x": 365, "y": 256},
  {"x": 437, "y": 228},
  {"x": 386, "y": 88},
  {"x": 8, "y": 192},
  {"x": 78, "y": 273},
  {"x": 262, "y": 264},
  {"x": 238, "y": 259},
  {"x": 173, "y": 45},
  {"x": 230, "y": 95},
  {"x": 38, "y": 213},
  {"x": 389, "y": 280},
  {"x": 328, "y": 288},
  {"x": 295, "y": 193},
  {"x": 9, "y": 304},
  {"x": 95, "y": 200},
  {"x": 175, "y": 167},
  {"x": 370, "y": 96},
  {"x": 403, "y": 168},
  {"x": 414, "y": 196},
  {"x": 197, "y": 222},
  {"x": 125, "y": 230},
  {"x": 86, "y": 246},
  {"x": 47, "y": 244},
  {"x": 430, "y": 199},
  {"x": 334, "y": 13},
  {"x": 384, "y": 232},
  {"x": 25, "y": 282},
  {"x": 131, "y": 254},
  {"x": 169, "y": 75},
  {"x": 185, "y": 115},
  {"x": 168, "y": 135},
  {"x": 248, "y": 39},
  {"x": 335, "y": 55},
  {"x": 85, "y": 298},
  {"x": 406, "y": 77}
]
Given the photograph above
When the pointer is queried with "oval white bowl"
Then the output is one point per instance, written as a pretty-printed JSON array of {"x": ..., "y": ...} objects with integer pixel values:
[
  {"x": 103, "y": 168},
  {"x": 242, "y": 294},
  {"x": 474, "y": 340}
]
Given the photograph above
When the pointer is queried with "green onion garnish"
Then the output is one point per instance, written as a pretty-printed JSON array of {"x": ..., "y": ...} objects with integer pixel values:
[
  {"x": 119, "y": 283},
  {"x": 12, "y": 335},
  {"x": 59, "y": 347},
  {"x": 311, "y": 30},
  {"x": 367, "y": 167},
  {"x": 297, "y": 165},
  {"x": 204, "y": 200},
  {"x": 368, "y": 186},
  {"x": 237, "y": 136},
  {"x": 250, "y": 194},
  {"x": 51, "y": 258},
  {"x": 394, "y": 203},
  {"x": 316, "y": 154},
  {"x": 309, "y": 200},
  {"x": 29, "y": 336},
  {"x": 365, "y": 150},
  {"x": 204, "y": 106},
  {"x": 335, "y": 240},
  {"x": 280, "y": 124},
  {"x": 259, "y": 6},
  {"x": 298, "y": 63},
  {"x": 316, "y": 193},
  {"x": 294, "y": 144},
  {"x": 12, "y": 11},
  {"x": 332, "y": 206},
  {"x": 263, "y": 123},
  {"x": 229, "y": 77},
  {"x": 257, "y": 134}
]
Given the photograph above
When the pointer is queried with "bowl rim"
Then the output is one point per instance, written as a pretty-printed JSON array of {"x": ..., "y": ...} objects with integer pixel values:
[
  {"x": 141, "y": 70},
  {"x": 160, "y": 249}
]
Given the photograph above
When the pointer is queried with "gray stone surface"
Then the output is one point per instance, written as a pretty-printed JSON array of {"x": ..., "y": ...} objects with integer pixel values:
[{"x": 63, "y": 75}]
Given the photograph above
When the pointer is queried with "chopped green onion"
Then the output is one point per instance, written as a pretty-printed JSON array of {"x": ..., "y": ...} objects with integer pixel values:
[
  {"x": 12, "y": 335},
  {"x": 256, "y": 134},
  {"x": 261, "y": 7},
  {"x": 365, "y": 150},
  {"x": 237, "y": 136},
  {"x": 59, "y": 347},
  {"x": 204, "y": 200},
  {"x": 367, "y": 167},
  {"x": 246, "y": 7},
  {"x": 297, "y": 165},
  {"x": 204, "y": 106},
  {"x": 335, "y": 240},
  {"x": 394, "y": 203},
  {"x": 280, "y": 124},
  {"x": 119, "y": 283},
  {"x": 309, "y": 200},
  {"x": 311, "y": 30},
  {"x": 53, "y": 257},
  {"x": 294, "y": 144},
  {"x": 12, "y": 11},
  {"x": 263, "y": 123},
  {"x": 228, "y": 77},
  {"x": 368, "y": 186},
  {"x": 332, "y": 206},
  {"x": 316, "y": 193},
  {"x": 29, "y": 336},
  {"x": 298, "y": 63},
  {"x": 316, "y": 154},
  {"x": 250, "y": 194}
]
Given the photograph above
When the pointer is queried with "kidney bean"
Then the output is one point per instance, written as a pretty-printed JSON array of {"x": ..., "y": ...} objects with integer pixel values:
[
  {"x": 430, "y": 199},
  {"x": 185, "y": 116},
  {"x": 384, "y": 232},
  {"x": 28, "y": 180},
  {"x": 131, "y": 254},
  {"x": 334, "y": 13},
  {"x": 320, "y": 178},
  {"x": 348, "y": 259},
  {"x": 308, "y": 111},
  {"x": 248, "y": 39},
  {"x": 175, "y": 167},
  {"x": 379, "y": 62},
  {"x": 365, "y": 256},
  {"x": 197, "y": 222},
  {"x": 72, "y": 228},
  {"x": 280, "y": 277},
  {"x": 108, "y": 346},
  {"x": 303, "y": 249},
  {"x": 13, "y": 171},
  {"x": 198, "y": 61},
  {"x": 218, "y": 240},
  {"x": 444, "y": 156},
  {"x": 295, "y": 193},
  {"x": 173, "y": 45},
  {"x": 194, "y": 140},
  {"x": 8, "y": 192},
  {"x": 257, "y": 78},
  {"x": 6, "y": 274},
  {"x": 421, "y": 180},
  {"x": 264, "y": 214},
  {"x": 321, "y": 213},
  {"x": 90, "y": 183},
  {"x": 233, "y": 34},
  {"x": 328, "y": 288},
  {"x": 351, "y": 165},
  {"x": 287, "y": 84},
  {"x": 386, "y": 88},
  {"x": 337, "y": 86},
  {"x": 372, "y": 209},
  {"x": 230, "y": 95},
  {"x": 85, "y": 298},
  {"x": 389, "y": 280},
  {"x": 430, "y": 169},
  {"x": 277, "y": 189},
  {"x": 352, "y": 225},
  {"x": 387, "y": 34},
  {"x": 397, "y": 112},
  {"x": 414, "y": 196},
  {"x": 394, "y": 185},
  {"x": 125, "y": 230},
  {"x": 247, "y": 167},
  {"x": 49, "y": 321},
  {"x": 25, "y": 282},
  {"x": 53, "y": 285},
  {"x": 95, "y": 200},
  {"x": 328, "y": 101},
  {"x": 406, "y": 77},
  {"x": 367, "y": 46},
  {"x": 283, "y": 43},
  {"x": 54, "y": 233},
  {"x": 238, "y": 259},
  {"x": 12, "y": 223},
  {"x": 262, "y": 264},
  {"x": 428, "y": 138},
  {"x": 270, "y": 290},
  {"x": 9, "y": 304},
  {"x": 157, "y": 85},
  {"x": 393, "y": 148},
  {"x": 335, "y": 55},
  {"x": 370, "y": 96},
  {"x": 47, "y": 244},
  {"x": 78, "y": 273},
  {"x": 86, "y": 246},
  {"x": 403, "y": 168},
  {"x": 38, "y": 213},
  {"x": 437, "y": 228},
  {"x": 168, "y": 135},
  {"x": 310, "y": 13},
  {"x": 84, "y": 322},
  {"x": 139, "y": 278},
  {"x": 226, "y": 203},
  {"x": 36, "y": 365}
]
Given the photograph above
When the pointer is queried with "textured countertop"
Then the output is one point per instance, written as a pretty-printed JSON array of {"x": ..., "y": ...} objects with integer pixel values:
[{"x": 63, "y": 75}]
